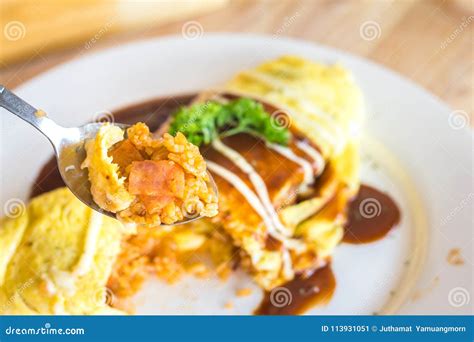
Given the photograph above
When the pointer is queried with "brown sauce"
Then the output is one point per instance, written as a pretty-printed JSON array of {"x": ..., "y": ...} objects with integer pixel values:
[
  {"x": 300, "y": 294},
  {"x": 370, "y": 216},
  {"x": 305, "y": 291}
]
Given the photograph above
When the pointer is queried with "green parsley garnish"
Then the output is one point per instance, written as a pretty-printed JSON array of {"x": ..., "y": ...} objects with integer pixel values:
[{"x": 204, "y": 122}]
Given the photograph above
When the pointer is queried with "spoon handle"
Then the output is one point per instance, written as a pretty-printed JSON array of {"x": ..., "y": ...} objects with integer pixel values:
[{"x": 30, "y": 114}]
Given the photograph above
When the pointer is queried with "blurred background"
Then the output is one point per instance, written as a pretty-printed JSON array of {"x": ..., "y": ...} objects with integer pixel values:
[{"x": 428, "y": 41}]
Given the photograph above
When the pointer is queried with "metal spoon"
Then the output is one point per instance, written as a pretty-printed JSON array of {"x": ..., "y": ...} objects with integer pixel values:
[{"x": 68, "y": 144}]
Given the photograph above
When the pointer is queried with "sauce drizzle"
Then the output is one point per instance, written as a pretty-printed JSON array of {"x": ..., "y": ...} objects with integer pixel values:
[
  {"x": 300, "y": 294},
  {"x": 370, "y": 216}
]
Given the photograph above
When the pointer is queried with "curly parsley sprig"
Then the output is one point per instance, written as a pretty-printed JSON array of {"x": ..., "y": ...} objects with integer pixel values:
[{"x": 204, "y": 122}]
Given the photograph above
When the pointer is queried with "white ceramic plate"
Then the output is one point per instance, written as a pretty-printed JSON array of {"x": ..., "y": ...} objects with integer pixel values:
[{"x": 423, "y": 152}]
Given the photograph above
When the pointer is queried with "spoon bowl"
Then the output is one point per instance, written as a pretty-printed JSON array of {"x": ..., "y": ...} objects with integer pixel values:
[
  {"x": 69, "y": 148},
  {"x": 70, "y": 153}
]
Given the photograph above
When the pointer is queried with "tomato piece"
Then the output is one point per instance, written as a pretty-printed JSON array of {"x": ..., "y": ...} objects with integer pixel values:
[
  {"x": 156, "y": 178},
  {"x": 154, "y": 204}
]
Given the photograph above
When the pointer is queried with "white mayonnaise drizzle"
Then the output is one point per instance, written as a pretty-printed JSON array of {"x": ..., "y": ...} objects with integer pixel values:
[
  {"x": 313, "y": 153},
  {"x": 256, "y": 180},
  {"x": 87, "y": 258},
  {"x": 66, "y": 281},
  {"x": 288, "y": 272},
  {"x": 254, "y": 201},
  {"x": 62, "y": 280},
  {"x": 50, "y": 286},
  {"x": 306, "y": 165},
  {"x": 240, "y": 185}
]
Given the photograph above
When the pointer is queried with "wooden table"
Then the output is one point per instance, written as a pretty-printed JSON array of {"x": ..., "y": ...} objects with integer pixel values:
[{"x": 430, "y": 42}]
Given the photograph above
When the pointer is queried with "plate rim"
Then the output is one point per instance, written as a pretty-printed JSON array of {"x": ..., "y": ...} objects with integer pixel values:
[{"x": 378, "y": 68}]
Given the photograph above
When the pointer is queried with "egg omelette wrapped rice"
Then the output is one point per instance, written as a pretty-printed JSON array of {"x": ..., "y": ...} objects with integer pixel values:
[
  {"x": 324, "y": 110},
  {"x": 56, "y": 258}
]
